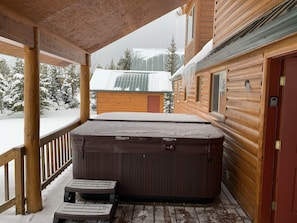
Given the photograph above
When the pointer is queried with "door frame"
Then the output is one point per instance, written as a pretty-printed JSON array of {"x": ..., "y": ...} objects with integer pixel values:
[{"x": 271, "y": 130}]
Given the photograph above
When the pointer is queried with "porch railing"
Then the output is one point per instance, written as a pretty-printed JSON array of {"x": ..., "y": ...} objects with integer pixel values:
[{"x": 55, "y": 156}]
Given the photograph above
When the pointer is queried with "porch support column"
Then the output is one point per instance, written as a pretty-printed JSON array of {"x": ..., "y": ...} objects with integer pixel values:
[
  {"x": 85, "y": 90},
  {"x": 32, "y": 125}
]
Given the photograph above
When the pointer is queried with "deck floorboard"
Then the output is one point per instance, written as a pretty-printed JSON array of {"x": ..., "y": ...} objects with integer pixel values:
[{"x": 224, "y": 209}]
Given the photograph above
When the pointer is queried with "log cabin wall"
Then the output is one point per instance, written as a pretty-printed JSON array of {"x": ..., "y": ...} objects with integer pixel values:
[
  {"x": 232, "y": 16},
  {"x": 243, "y": 122},
  {"x": 203, "y": 26},
  {"x": 125, "y": 102}
]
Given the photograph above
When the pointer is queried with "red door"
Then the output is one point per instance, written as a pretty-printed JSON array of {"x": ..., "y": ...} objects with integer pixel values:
[
  {"x": 286, "y": 176},
  {"x": 153, "y": 104}
]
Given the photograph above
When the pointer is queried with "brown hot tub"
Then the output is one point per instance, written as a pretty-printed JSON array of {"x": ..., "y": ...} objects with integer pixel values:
[{"x": 159, "y": 156}]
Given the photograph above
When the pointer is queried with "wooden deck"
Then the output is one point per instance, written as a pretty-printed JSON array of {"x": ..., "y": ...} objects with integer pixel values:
[{"x": 223, "y": 210}]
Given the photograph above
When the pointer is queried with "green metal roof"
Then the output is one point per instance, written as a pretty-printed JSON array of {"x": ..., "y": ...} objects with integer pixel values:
[{"x": 132, "y": 81}]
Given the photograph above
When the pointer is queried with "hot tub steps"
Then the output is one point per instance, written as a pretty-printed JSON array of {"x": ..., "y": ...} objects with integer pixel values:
[
  {"x": 72, "y": 210},
  {"x": 90, "y": 187}
]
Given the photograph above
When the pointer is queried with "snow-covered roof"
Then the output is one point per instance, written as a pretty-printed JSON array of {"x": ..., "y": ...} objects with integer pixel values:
[
  {"x": 131, "y": 81},
  {"x": 189, "y": 69}
]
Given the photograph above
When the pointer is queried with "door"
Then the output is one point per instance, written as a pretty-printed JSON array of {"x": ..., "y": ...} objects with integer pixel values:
[
  {"x": 153, "y": 104},
  {"x": 286, "y": 172}
]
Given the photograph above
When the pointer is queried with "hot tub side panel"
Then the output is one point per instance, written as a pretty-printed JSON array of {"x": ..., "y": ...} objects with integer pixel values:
[{"x": 146, "y": 168}]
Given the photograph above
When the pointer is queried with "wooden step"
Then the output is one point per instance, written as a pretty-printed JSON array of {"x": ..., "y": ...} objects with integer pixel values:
[
  {"x": 84, "y": 211},
  {"x": 90, "y": 187}
]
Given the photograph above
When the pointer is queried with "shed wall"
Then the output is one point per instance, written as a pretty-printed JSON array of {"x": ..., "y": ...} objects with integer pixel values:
[{"x": 125, "y": 101}]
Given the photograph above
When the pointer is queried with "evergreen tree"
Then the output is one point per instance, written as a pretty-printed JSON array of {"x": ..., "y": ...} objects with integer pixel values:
[
  {"x": 112, "y": 66},
  {"x": 4, "y": 68},
  {"x": 70, "y": 87},
  {"x": 126, "y": 61},
  {"x": 172, "y": 58},
  {"x": 15, "y": 98},
  {"x": 19, "y": 66},
  {"x": 55, "y": 84},
  {"x": 4, "y": 75},
  {"x": 170, "y": 66},
  {"x": 44, "y": 93}
]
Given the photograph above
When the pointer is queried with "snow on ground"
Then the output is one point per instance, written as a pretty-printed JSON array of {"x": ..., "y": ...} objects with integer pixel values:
[
  {"x": 11, "y": 135},
  {"x": 12, "y": 126}
]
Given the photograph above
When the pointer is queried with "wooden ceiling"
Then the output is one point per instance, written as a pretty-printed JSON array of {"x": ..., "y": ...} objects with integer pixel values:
[{"x": 70, "y": 29}]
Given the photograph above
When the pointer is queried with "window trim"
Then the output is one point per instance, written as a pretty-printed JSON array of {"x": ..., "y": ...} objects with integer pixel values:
[
  {"x": 178, "y": 91},
  {"x": 185, "y": 94},
  {"x": 198, "y": 89},
  {"x": 221, "y": 89},
  {"x": 190, "y": 25}
]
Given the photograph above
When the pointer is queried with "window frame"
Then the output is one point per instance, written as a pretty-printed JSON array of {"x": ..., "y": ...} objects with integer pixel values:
[
  {"x": 185, "y": 94},
  {"x": 190, "y": 25},
  {"x": 218, "y": 93},
  {"x": 178, "y": 91},
  {"x": 198, "y": 88}
]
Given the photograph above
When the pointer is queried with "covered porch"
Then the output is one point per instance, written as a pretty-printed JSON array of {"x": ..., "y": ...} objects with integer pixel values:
[{"x": 45, "y": 31}]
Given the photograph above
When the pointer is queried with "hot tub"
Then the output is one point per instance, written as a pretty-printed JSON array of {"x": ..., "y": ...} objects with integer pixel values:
[{"x": 153, "y": 156}]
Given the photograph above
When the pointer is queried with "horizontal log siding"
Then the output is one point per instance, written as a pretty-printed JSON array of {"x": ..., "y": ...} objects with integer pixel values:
[
  {"x": 125, "y": 102},
  {"x": 232, "y": 16},
  {"x": 203, "y": 31},
  {"x": 241, "y": 124}
]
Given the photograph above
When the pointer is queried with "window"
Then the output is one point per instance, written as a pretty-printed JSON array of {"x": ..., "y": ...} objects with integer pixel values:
[
  {"x": 178, "y": 91},
  {"x": 218, "y": 96},
  {"x": 198, "y": 88},
  {"x": 185, "y": 94},
  {"x": 190, "y": 25}
]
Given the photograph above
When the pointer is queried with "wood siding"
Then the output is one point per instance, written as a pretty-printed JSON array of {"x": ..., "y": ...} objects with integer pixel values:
[
  {"x": 243, "y": 123},
  {"x": 203, "y": 26},
  {"x": 125, "y": 102},
  {"x": 231, "y": 16}
]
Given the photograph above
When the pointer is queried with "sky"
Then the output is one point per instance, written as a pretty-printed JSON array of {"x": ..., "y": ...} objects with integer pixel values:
[{"x": 157, "y": 34}]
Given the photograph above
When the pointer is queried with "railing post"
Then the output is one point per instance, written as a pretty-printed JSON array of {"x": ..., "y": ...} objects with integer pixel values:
[
  {"x": 19, "y": 182},
  {"x": 6, "y": 182}
]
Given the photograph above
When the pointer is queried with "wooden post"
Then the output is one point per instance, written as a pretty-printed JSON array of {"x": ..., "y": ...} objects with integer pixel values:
[
  {"x": 19, "y": 181},
  {"x": 85, "y": 90},
  {"x": 32, "y": 125}
]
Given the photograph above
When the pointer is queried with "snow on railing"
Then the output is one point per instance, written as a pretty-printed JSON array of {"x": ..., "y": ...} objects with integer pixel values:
[
  {"x": 55, "y": 153},
  {"x": 55, "y": 156}
]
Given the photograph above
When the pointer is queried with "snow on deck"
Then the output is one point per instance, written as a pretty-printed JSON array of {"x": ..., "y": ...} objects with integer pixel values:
[{"x": 223, "y": 209}]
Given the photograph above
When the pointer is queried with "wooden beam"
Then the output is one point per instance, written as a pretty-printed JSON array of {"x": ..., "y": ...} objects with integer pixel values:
[
  {"x": 15, "y": 28},
  {"x": 32, "y": 126},
  {"x": 21, "y": 30},
  {"x": 85, "y": 90},
  {"x": 55, "y": 45}
]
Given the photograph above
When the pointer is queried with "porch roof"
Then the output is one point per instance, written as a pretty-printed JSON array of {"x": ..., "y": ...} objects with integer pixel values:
[{"x": 69, "y": 29}]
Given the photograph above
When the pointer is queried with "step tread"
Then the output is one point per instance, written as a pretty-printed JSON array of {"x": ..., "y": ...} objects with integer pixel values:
[
  {"x": 83, "y": 211},
  {"x": 91, "y": 186}
]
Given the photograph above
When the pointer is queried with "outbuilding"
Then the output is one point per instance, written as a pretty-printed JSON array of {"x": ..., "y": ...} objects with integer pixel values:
[{"x": 129, "y": 90}]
